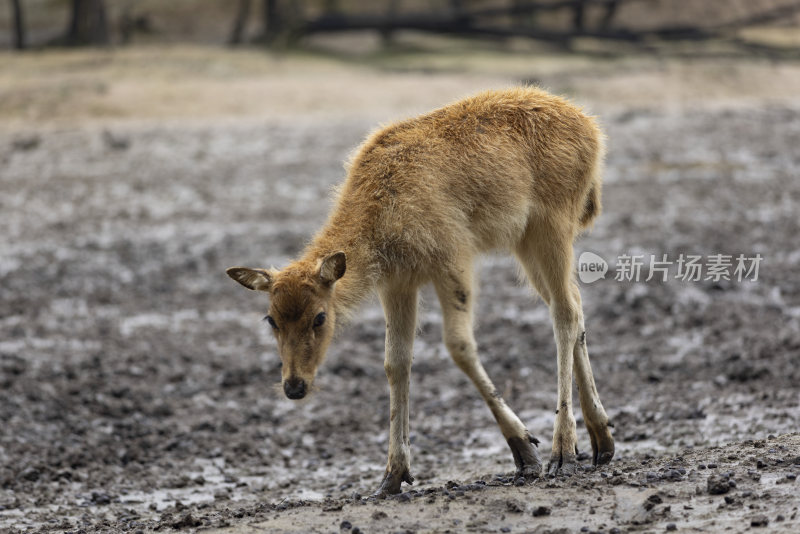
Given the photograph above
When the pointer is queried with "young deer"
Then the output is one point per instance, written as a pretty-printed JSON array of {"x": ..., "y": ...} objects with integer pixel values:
[{"x": 518, "y": 170}]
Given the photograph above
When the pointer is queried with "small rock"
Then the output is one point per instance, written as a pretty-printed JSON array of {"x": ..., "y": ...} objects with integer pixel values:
[
  {"x": 345, "y": 525},
  {"x": 540, "y": 511},
  {"x": 671, "y": 527},
  {"x": 718, "y": 484},
  {"x": 187, "y": 520},
  {"x": 514, "y": 507},
  {"x": 28, "y": 142},
  {"x": 98, "y": 497},
  {"x": 31, "y": 473},
  {"x": 115, "y": 141},
  {"x": 759, "y": 521}
]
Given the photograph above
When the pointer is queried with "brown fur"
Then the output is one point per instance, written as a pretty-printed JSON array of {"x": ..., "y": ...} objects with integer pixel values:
[{"x": 515, "y": 170}]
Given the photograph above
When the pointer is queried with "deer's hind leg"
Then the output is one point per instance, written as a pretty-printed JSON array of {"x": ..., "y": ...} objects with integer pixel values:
[
  {"x": 545, "y": 253},
  {"x": 455, "y": 290},
  {"x": 594, "y": 415}
]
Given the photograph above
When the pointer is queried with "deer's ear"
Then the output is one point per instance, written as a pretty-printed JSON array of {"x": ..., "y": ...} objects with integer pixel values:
[
  {"x": 255, "y": 279},
  {"x": 332, "y": 267}
]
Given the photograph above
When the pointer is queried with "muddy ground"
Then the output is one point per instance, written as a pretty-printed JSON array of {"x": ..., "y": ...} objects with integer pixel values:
[{"x": 137, "y": 382}]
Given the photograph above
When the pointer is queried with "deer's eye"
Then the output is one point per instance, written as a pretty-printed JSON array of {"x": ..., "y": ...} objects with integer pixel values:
[
  {"x": 271, "y": 321},
  {"x": 319, "y": 320}
]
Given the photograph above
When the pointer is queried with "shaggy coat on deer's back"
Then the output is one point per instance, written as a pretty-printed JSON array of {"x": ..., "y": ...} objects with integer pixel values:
[
  {"x": 515, "y": 170},
  {"x": 471, "y": 174}
]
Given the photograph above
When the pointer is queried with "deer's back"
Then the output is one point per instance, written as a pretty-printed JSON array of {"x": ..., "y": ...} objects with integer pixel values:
[{"x": 471, "y": 174}]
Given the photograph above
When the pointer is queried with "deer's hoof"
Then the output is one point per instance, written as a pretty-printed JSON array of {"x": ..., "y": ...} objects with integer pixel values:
[
  {"x": 562, "y": 464},
  {"x": 526, "y": 458},
  {"x": 390, "y": 485},
  {"x": 602, "y": 446}
]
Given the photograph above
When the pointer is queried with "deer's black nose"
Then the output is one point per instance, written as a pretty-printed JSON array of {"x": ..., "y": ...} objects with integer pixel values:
[{"x": 295, "y": 388}]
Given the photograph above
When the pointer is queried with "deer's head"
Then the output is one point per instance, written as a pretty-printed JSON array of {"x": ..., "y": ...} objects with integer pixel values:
[{"x": 301, "y": 314}]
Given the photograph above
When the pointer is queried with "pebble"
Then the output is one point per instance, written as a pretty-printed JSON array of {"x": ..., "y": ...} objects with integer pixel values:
[
  {"x": 540, "y": 511},
  {"x": 31, "y": 474},
  {"x": 718, "y": 484},
  {"x": 345, "y": 525},
  {"x": 99, "y": 497},
  {"x": 187, "y": 520},
  {"x": 759, "y": 521},
  {"x": 514, "y": 507},
  {"x": 672, "y": 526}
]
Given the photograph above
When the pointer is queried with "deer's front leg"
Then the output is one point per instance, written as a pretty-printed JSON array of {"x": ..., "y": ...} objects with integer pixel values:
[{"x": 400, "y": 309}]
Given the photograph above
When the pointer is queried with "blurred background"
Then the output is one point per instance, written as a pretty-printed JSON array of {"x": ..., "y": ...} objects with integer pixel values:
[
  {"x": 145, "y": 146},
  {"x": 756, "y": 24}
]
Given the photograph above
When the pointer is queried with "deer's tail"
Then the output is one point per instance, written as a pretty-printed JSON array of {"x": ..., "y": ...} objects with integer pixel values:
[{"x": 592, "y": 206}]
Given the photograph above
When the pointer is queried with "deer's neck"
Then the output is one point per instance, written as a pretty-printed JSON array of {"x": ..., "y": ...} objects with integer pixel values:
[{"x": 361, "y": 271}]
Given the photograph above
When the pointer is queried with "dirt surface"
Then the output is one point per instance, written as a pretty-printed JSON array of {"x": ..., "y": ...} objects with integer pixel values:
[{"x": 137, "y": 381}]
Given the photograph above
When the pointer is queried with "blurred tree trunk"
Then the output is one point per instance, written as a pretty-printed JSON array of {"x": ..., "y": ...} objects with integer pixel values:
[
  {"x": 88, "y": 24},
  {"x": 272, "y": 20},
  {"x": 521, "y": 16},
  {"x": 19, "y": 24},
  {"x": 242, "y": 14},
  {"x": 283, "y": 21},
  {"x": 578, "y": 15},
  {"x": 459, "y": 13},
  {"x": 608, "y": 17},
  {"x": 331, "y": 7},
  {"x": 391, "y": 13}
]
